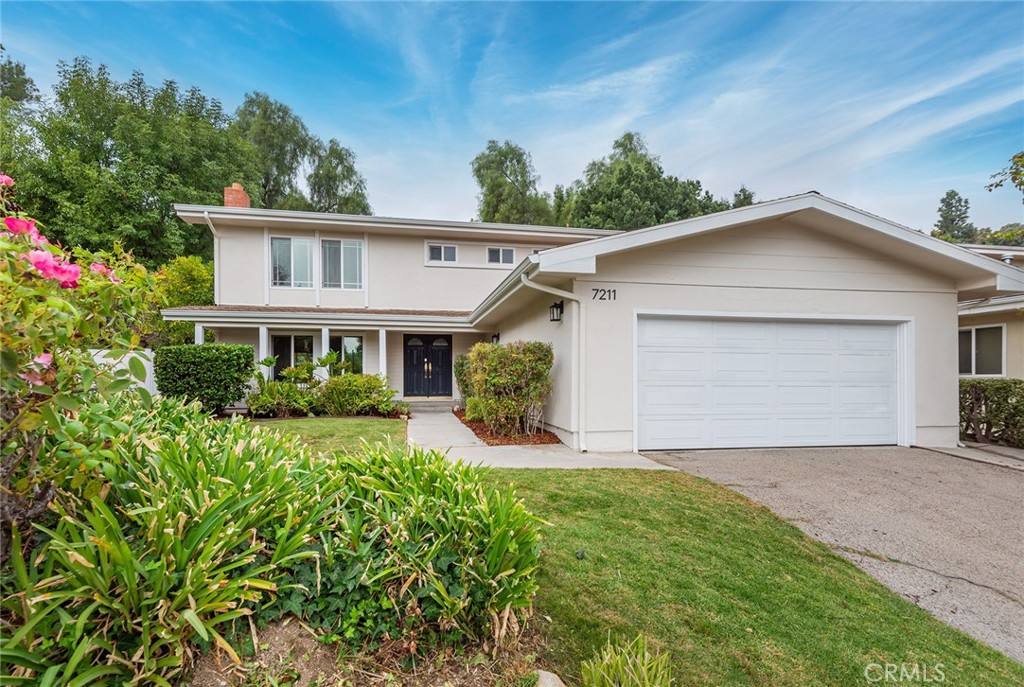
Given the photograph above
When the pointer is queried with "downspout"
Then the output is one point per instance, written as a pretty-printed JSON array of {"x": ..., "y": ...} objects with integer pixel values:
[
  {"x": 216, "y": 258},
  {"x": 579, "y": 340}
]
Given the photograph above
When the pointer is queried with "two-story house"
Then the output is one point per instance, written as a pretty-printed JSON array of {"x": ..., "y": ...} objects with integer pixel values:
[{"x": 800, "y": 321}]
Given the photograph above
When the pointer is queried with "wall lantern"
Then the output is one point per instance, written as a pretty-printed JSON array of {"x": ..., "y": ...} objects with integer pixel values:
[
  {"x": 495, "y": 338},
  {"x": 556, "y": 311}
]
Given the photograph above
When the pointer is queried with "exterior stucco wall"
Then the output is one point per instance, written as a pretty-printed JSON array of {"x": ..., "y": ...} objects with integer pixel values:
[
  {"x": 1014, "y": 343},
  {"x": 396, "y": 273},
  {"x": 531, "y": 322},
  {"x": 771, "y": 269}
]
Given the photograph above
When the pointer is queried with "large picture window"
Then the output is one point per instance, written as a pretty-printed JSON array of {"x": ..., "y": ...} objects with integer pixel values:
[
  {"x": 342, "y": 263},
  {"x": 350, "y": 348},
  {"x": 981, "y": 351},
  {"x": 291, "y": 262}
]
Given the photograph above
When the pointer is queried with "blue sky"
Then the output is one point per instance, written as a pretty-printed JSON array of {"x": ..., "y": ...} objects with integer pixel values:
[{"x": 881, "y": 105}]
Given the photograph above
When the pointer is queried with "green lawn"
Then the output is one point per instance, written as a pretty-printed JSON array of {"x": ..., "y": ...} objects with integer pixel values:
[
  {"x": 342, "y": 433},
  {"x": 735, "y": 595}
]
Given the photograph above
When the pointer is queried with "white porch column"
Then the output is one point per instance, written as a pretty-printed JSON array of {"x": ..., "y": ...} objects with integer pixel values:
[
  {"x": 325, "y": 347},
  {"x": 200, "y": 333},
  {"x": 265, "y": 350},
  {"x": 382, "y": 352}
]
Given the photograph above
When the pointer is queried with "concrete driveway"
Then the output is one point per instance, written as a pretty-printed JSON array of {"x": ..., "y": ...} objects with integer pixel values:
[{"x": 946, "y": 533}]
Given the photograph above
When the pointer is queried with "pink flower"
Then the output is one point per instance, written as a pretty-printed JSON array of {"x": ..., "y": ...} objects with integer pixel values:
[
  {"x": 37, "y": 238},
  {"x": 44, "y": 359},
  {"x": 114, "y": 279},
  {"x": 34, "y": 378},
  {"x": 6, "y": 180},
  {"x": 20, "y": 226},
  {"x": 99, "y": 268},
  {"x": 52, "y": 267}
]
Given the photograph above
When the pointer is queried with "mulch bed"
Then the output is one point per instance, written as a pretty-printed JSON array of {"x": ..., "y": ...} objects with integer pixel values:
[{"x": 491, "y": 439}]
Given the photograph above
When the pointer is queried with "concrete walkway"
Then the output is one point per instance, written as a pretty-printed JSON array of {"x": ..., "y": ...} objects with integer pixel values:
[
  {"x": 442, "y": 431},
  {"x": 1003, "y": 456}
]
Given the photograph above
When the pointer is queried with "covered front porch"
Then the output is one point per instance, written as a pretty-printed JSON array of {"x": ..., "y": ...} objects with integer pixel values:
[{"x": 415, "y": 353}]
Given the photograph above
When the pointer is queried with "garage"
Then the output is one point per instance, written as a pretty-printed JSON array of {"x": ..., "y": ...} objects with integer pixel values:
[{"x": 739, "y": 383}]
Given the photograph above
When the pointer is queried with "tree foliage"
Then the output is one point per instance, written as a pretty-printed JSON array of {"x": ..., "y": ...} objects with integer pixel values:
[
  {"x": 104, "y": 161},
  {"x": 954, "y": 222},
  {"x": 629, "y": 190},
  {"x": 508, "y": 186},
  {"x": 743, "y": 197},
  {"x": 286, "y": 148},
  {"x": 15, "y": 83},
  {"x": 1014, "y": 173},
  {"x": 185, "y": 280}
]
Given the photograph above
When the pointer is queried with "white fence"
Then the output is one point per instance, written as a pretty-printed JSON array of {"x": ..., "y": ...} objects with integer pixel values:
[{"x": 103, "y": 357}]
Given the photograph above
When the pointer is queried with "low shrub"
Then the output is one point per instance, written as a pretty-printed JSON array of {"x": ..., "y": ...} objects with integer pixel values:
[
  {"x": 630, "y": 665},
  {"x": 282, "y": 399},
  {"x": 992, "y": 411},
  {"x": 193, "y": 528},
  {"x": 474, "y": 409},
  {"x": 357, "y": 394},
  {"x": 216, "y": 375},
  {"x": 512, "y": 382},
  {"x": 425, "y": 546}
]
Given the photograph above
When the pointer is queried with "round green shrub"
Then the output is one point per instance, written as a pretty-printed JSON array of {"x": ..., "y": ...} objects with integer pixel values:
[{"x": 216, "y": 375}]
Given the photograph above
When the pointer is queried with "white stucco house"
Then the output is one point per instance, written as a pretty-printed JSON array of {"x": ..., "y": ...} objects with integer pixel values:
[{"x": 795, "y": 322}]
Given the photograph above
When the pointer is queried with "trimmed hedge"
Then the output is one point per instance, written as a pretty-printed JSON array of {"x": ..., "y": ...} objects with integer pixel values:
[
  {"x": 462, "y": 379},
  {"x": 216, "y": 375},
  {"x": 992, "y": 411}
]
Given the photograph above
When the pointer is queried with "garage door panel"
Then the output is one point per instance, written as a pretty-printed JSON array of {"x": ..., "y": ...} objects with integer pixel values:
[
  {"x": 740, "y": 365},
  {"x": 666, "y": 399},
  {"x": 760, "y": 383},
  {"x": 804, "y": 365},
  {"x": 741, "y": 398},
  {"x": 672, "y": 363},
  {"x": 797, "y": 398}
]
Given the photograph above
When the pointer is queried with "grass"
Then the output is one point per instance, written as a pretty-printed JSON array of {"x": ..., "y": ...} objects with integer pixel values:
[
  {"x": 732, "y": 593},
  {"x": 343, "y": 433}
]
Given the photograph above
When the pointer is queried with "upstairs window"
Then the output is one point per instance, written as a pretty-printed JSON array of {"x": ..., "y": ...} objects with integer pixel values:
[
  {"x": 981, "y": 352},
  {"x": 501, "y": 256},
  {"x": 342, "y": 263},
  {"x": 291, "y": 262},
  {"x": 438, "y": 252}
]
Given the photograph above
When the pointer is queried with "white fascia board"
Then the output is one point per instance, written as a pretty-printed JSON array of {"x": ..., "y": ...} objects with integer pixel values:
[
  {"x": 197, "y": 213},
  {"x": 585, "y": 265},
  {"x": 993, "y": 305},
  {"x": 313, "y": 318}
]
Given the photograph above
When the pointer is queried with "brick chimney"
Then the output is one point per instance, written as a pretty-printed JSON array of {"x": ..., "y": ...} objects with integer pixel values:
[{"x": 235, "y": 196}]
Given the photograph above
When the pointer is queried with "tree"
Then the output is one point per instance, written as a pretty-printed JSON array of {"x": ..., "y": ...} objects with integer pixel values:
[
  {"x": 629, "y": 190},
  {"x": 563, "y": 205},
  {"x": 743, "y": 197},
  {"x": 185, "y": 280},
  {"x": 1014, "y": 173},
  {"x": 104, "y": 162},
  {"x": 508, "y": 186},
  {"x": 282, "y": 143},
  {"x": 15, "y": 83},
  {"x": 954, "y": 223},
  {"x": 334, "y": 183}
]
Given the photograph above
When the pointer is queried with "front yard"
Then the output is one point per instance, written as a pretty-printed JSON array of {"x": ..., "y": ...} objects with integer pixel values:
[
  {"x": 732, "y": 593},
  {"x": 342, "y": 433}
]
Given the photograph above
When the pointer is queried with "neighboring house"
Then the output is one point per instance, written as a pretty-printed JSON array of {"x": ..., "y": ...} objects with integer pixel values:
[
  {"x": 795, "y": 322},
  {"x": 992, "y": 329}
]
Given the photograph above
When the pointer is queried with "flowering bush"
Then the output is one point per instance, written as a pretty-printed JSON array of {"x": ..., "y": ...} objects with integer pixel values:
[{"x": 55, "y": 305}]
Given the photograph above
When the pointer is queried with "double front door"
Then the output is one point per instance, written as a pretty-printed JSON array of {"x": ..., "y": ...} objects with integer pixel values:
[{"x": 428, "y": 365}]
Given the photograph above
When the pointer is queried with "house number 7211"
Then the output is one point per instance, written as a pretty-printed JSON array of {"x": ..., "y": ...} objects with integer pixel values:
[{"x": 604, "y": 294}]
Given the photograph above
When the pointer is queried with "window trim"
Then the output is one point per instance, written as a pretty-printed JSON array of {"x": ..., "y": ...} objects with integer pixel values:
[
  {"x": 974, "y": 350},
  {"x": 312, "y": 265},
  {"x": 501, "y": 251},
  {"x": 341, "y": 264},
  {"x": 429, "y": 244}
]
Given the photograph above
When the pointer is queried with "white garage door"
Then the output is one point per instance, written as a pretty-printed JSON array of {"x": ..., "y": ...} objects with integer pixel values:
[{"x": 730, "y": 383}]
